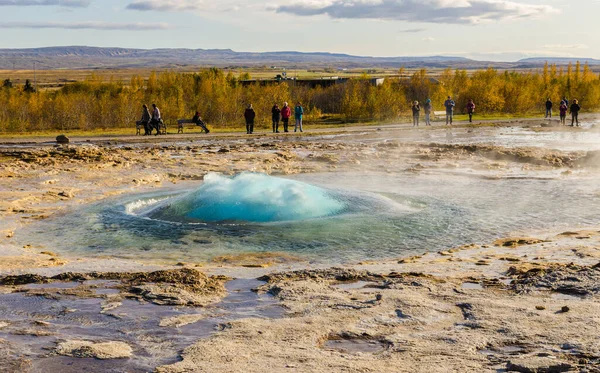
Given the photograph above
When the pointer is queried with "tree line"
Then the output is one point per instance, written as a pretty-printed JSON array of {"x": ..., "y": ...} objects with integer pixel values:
[{"x": 221, "y": 98}]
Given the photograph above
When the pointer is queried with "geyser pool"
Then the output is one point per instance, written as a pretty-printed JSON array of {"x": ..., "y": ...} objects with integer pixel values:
[
  {"x": 383, "y": 215},
  {"x": 251, "y": 197}
]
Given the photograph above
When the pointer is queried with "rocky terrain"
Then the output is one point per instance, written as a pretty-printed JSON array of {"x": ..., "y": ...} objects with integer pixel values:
[{"x": 527, "y": 303}]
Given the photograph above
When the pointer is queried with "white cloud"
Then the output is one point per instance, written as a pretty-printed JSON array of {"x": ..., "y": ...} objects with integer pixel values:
[
  {"x": 566, "y": 46},
  {"x": 167, "y": 5},
  {"x": 435, "y": 11},
  {"x": 412, "y": 30},
  {"x": 62, "y": 3},
  {"x": 85, "y": 25}
]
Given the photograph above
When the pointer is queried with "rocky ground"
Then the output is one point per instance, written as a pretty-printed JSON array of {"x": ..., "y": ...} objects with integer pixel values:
[{"x": 525, "y": 304}]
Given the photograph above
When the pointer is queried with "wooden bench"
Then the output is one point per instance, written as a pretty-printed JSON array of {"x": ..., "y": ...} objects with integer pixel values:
[
  {"x": 138, "y": 127},
  {"x": 439, "y": 113},
  {"x": 182, "y": 122}
]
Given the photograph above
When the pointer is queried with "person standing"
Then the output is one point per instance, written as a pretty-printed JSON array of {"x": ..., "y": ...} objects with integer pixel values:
[
  {"x": 155, "y": 121},
  {"x": 428, "y": 108},
  {"x": 470, "y": 109},
  {"x": 563, "y": 108},
  {"x": 575, "y": 112},
  {"x": 286, "y": 113},
  {"x": 276, "y": 114},
  {"x": 566, "y": 101},
  {"x": 145, "y": 121},
  {"x": 449, "y": 104},
  {"x": 548, "y": 108},
  {"x": 416, "y": 110},
  {"x": 249, "y": 115},
  {"x": 298, "y": 113}
]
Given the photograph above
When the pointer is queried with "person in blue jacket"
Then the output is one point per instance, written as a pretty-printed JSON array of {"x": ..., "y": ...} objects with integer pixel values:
[
  {"x": 449, "y": 104},
  {"x": 298, "y": 113}
]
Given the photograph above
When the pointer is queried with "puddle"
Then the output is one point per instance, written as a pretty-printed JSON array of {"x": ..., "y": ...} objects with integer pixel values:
[
  {"x": 353, "y": 346},
  {"x": 67, "y": 318},
  {"x": 351, "y": 285},
  {"x": 472, "y": 286},
  {"x": 561, "y": 296}
]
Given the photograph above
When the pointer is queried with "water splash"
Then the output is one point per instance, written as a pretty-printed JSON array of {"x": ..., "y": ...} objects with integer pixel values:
[{"x": 251, "y": 197}]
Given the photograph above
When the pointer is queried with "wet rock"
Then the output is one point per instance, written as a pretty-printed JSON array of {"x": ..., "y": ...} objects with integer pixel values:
[
  {"x": 62, "y": 139},
  {"x": 567, "y": 279},
  {"x": 329, "y": 274},
  {"x": 537, "y": 365},
  {"x": 170, "y": 295},
  {"x": 23, "y": 279},
  {"x": 467, "y": 310},
  {"x": 518, "y": 241},
  {"x": 87, "y": 349}
]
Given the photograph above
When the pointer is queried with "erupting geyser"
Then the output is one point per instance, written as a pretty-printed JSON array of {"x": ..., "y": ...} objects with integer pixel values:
[{"x": 251, "y": 197}]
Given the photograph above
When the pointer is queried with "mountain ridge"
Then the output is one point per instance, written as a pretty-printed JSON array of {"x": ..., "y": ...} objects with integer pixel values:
[{"x": 90, "y": 57}]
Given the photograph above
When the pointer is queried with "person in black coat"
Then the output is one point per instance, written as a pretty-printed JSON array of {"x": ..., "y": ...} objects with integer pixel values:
[
  {"x": 249, "y": 115},
  {"x": 276, "y": 114},
  {"x": 199, "y": 122},
  {"x": 575, "y": 112},
  {"x": 548, "y": 108}
]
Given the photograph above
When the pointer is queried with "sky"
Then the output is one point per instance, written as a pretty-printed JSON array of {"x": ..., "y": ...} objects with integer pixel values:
[{"x": 498, "y": 30}]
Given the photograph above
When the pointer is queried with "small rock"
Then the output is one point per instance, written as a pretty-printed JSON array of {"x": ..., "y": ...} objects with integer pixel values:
[
  {"x": 62, "y": 139},
  {"x": 565, "y": 309},
  {"x": 378, "y": 297},
  {"x": 66, "y": 194},
  {"x": 87, "y": 349},
  {"x": 540, "y": 308}
]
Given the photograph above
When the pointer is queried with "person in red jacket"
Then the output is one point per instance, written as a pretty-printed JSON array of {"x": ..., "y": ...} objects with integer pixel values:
[
  {"x": 286, "y": 113},
  {"x": 470, "y": 109},
  {"x": 249, "y": 115},
  {"x": 563, "y": 108}
]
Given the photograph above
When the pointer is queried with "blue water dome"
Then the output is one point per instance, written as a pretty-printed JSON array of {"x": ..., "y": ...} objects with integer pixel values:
[{"x": 252, "y": 197}]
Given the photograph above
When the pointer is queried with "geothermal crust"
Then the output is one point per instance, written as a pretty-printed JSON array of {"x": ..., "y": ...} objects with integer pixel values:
[{"x": 527, "y": 303}]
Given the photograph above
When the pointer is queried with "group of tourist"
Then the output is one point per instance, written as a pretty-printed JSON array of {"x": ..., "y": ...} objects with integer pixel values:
[
  {"x": 449, "y": 104},
  {"x": 153, "y": 120},
  {"x": 149, "y": 120},
  {"x": 563, "y": 108},
  {"x": 282, "y": 115}
]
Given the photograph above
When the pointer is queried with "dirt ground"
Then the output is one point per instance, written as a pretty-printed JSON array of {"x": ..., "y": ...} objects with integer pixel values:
[{"x": 525, "y": 304}]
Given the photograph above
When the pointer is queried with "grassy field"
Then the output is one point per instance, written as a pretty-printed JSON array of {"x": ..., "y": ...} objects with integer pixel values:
[{"x": 54, "y": 79}]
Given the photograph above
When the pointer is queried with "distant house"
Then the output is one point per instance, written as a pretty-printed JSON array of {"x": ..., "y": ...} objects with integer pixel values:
[{"x": 325, "y": 81}]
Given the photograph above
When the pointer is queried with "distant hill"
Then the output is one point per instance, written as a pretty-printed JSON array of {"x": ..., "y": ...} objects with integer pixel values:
[
  {"x": 82, "y": 57},
  {"x": 559, "y": 60}
]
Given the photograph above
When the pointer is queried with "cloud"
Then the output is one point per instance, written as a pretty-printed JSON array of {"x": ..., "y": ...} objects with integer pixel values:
[
  {"x": 166, "y": 5},
  {"x": 412, "y": 30},
  {"x": 566, "y": 46},
  {"x": 433, "y": 11},
  {"x": 107, "y": 26},
  {"x": 62, "y": 3}
]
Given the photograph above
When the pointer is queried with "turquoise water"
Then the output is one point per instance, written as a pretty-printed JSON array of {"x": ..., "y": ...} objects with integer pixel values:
[
  {"x": 359, "y": 216},
  {"x": 250, "y": 197}
]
